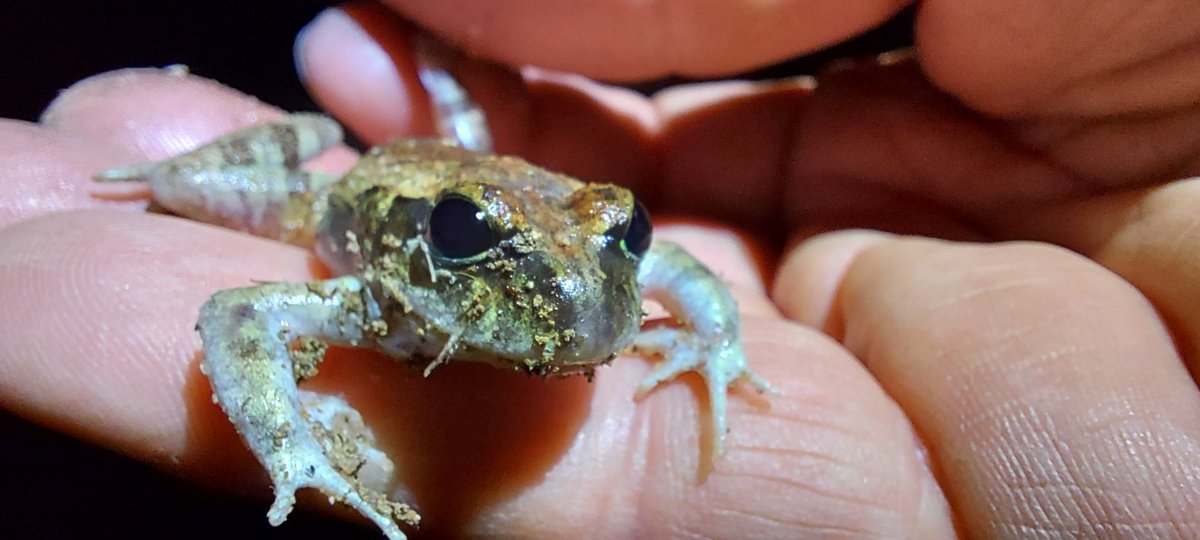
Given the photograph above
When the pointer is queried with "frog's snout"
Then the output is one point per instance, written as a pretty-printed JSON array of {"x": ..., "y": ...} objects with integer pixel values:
[{"x": 593, "y": 318}]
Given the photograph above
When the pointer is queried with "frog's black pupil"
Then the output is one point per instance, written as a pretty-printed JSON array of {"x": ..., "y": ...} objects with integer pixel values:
[
  {"x": 459, "y": 229},
  {"x": 637, "y": 237}
]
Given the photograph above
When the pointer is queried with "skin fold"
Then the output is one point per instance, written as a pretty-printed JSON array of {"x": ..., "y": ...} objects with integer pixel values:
[{"x": 982, "y": 316}]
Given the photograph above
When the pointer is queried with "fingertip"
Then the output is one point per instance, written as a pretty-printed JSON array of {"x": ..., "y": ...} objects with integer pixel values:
[
  {"x": 361, "y": 63},
  {"x": 811, "y": 274},
  {"x": 153, "y": 113},
  {"x": 357, "y": 62},
  {"x": 64, "y": 110}
]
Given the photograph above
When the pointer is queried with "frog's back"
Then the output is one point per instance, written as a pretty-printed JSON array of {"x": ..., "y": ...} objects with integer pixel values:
[
  {"x": 420, "y": 171},
  {"x": 423, "y": 168}
]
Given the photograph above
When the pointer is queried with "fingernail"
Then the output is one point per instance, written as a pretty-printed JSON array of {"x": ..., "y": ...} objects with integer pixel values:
[{"x": 299, "y": 46}]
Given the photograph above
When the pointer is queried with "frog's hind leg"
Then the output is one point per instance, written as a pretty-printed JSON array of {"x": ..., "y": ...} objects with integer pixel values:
[
  {"x": 301, "y": 440},
  {"x": 250, "y": 180}
]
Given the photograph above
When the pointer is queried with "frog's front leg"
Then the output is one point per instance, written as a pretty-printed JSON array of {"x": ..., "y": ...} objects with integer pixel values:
[
  {"x": 247, "y": 335},
  {"x": 708, "y": 338}
]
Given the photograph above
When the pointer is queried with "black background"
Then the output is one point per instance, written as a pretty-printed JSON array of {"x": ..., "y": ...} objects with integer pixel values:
[
  {"x": 55, "y": 487},
  {"x": 45, "y": 45}
]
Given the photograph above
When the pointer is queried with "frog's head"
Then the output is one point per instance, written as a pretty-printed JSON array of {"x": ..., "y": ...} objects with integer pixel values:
[{"x": 538, "y": 270}]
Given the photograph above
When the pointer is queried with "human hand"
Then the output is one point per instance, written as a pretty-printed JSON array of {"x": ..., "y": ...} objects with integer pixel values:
[
  {"x": 1028, "y": 403},
  {"x": 1054, "y": 393}
]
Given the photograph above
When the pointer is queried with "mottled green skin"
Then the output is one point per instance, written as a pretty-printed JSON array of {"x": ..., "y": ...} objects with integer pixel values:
[{"x": 557, "y": 294}]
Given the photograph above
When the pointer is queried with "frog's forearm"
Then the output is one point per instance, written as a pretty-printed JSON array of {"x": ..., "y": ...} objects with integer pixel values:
[
  {"x": 688, "y": 289},
  {"x": 247, "y": 334},
  {"x": 249, "y": 180},
  {"x": 708, "y": 339}
]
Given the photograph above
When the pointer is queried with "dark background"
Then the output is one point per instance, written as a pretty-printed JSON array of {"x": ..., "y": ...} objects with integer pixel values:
[
  {"x": 55, "y": 487},
  {"x": 45, "y": 45}
]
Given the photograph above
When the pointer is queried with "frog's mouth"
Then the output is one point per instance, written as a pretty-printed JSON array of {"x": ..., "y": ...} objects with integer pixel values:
[
  {"x": 542, "y": 306},
  {"x": 531, "y": 365},
  {"x": 561, "y": 330}
]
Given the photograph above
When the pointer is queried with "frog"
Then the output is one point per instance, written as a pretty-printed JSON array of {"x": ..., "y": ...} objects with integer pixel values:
[{"x": 439, "y": 254}]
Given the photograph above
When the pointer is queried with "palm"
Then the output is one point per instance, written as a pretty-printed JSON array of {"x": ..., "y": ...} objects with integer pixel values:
[{"x": 1012, "y": 386}]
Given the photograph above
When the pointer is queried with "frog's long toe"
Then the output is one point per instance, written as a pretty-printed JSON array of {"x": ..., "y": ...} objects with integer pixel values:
[
  {"x": 318, "y": 472},
  {"x": 349, "y": 468},
  {"x": 722, "y": 364}
]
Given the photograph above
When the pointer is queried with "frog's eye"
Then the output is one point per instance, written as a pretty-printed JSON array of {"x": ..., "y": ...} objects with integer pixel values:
[
  {"x": 459, "y": 229},
  {"x": 637, "y": 236}
]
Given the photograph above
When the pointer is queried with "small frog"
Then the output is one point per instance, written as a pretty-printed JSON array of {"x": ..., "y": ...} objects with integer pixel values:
[{"x": 444, "y": 255}]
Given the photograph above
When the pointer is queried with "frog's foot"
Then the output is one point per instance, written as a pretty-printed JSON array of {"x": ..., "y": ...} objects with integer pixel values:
[
  {"x": 302, "y": 440},
  {"x": 348, "y": 442},
  {"x": 339, "y": 459},
  {"x": 707, "y": 339},
  {"x": 721, "y": 362}
]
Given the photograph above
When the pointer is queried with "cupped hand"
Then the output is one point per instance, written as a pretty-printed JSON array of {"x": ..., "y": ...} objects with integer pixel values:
[{"x": 1007, "y": 389}]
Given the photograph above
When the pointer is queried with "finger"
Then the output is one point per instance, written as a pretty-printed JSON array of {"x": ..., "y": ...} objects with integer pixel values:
[
  {"x": 1149, "y": 237},
  {"x": 360, "y": 68},
  {"x": 151, "y": 114},
  {"x": 358, "y": 63},
  {"x": 45, "y": 172},
  {"x": 1046, "y": 389},
  {"x": 725, "y": 142},
  {"x": 626, "y": 41},
  {"x": 118, "y": 118},
  {"x": 98, "y": 336},
  {"x": 1082, "y": 57},
  {"x": 1116, "y": 152},
  {"x": 879, "y": 147},
  {"x": 811, "y": 273}
]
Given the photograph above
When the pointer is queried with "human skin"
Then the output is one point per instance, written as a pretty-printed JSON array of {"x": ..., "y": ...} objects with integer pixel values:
[{"x": 932, "y": 380}]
